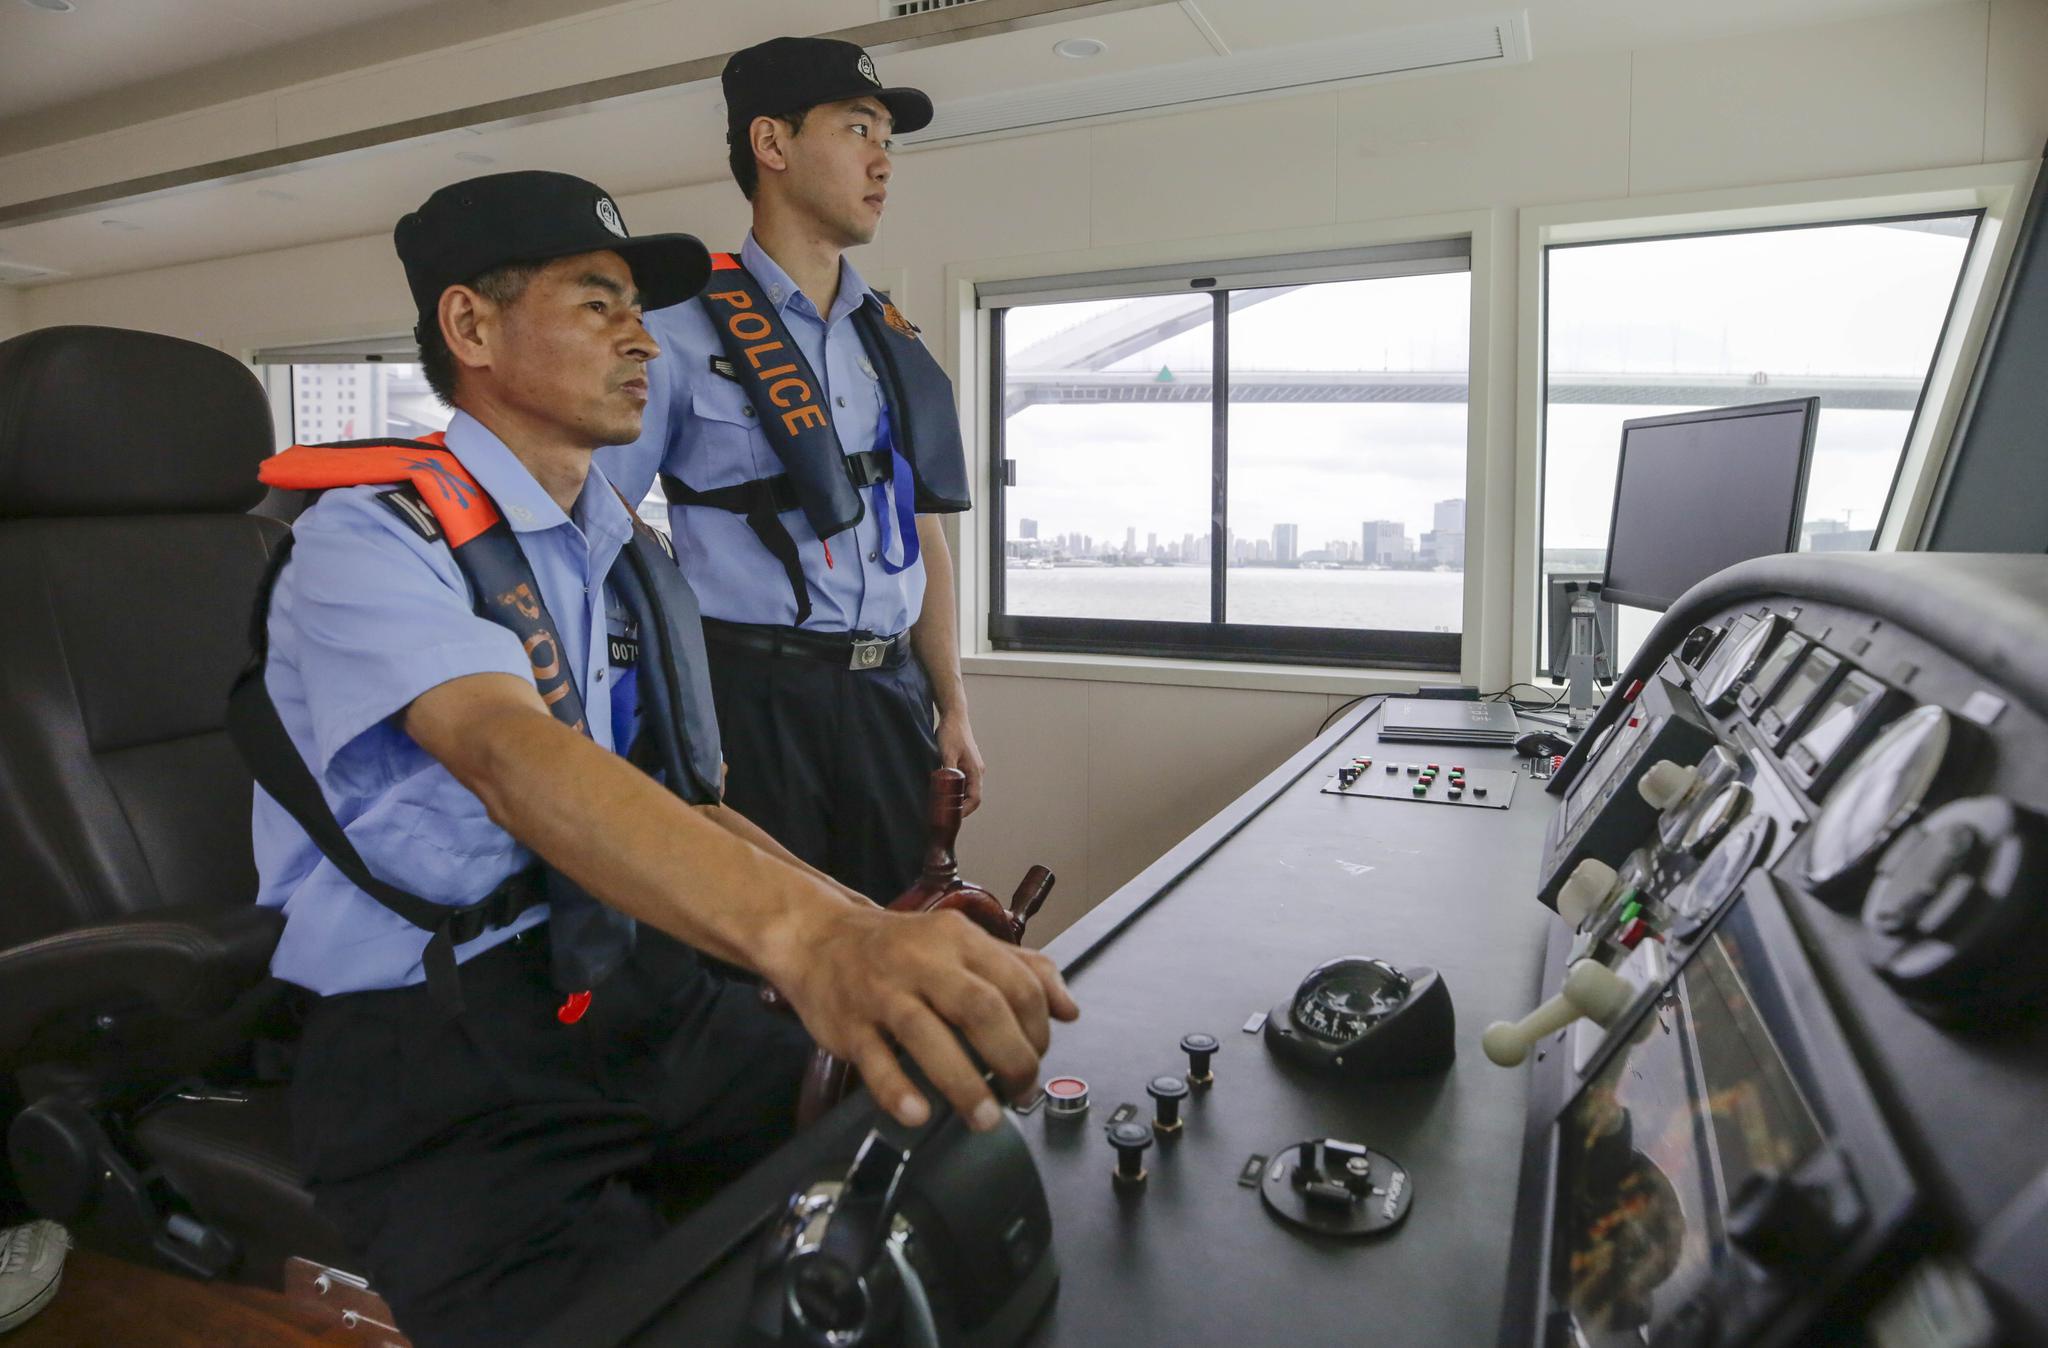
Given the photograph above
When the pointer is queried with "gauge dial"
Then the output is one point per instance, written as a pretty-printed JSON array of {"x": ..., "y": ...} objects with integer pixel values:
[
  {"x": 1715, "y": 818},
  {"x": 1879, "y": 794},
  {"x": 1720, "y": 875},
  {"x": 1738, "y": 663}
]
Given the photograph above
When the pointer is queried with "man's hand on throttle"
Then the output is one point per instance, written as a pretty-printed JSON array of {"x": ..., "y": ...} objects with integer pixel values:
[{"x": 869, "y": 980}]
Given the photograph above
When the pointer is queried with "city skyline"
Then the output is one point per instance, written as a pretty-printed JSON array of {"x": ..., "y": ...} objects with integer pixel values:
[{"x": 1380, "y": 542}]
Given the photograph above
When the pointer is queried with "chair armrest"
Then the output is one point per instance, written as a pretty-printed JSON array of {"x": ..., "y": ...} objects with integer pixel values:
[{"x": 180, "y": 964}]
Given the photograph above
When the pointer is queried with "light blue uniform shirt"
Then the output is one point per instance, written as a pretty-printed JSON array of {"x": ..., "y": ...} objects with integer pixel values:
[
  {"x": 368, "y": 615},
  {"x": 701, "y": 428}
]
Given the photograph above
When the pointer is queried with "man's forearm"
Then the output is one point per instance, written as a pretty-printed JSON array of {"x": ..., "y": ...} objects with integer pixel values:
[
  {"x": 626, "y": 839},
  {"x": 935, "y": 636},
  {"x": 864, "y": 981},
  {"x": 747, "y": 831}
]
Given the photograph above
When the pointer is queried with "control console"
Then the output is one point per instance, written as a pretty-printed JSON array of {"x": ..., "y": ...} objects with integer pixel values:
[
  {"x": 1765, "y": 1064},
  {"x": 1798, "y": 976}
]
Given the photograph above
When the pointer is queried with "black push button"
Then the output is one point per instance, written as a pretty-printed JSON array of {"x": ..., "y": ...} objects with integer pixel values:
[
  {"x": 1131, "y": 1139},
  {"x": 1167, "y": 1092}
]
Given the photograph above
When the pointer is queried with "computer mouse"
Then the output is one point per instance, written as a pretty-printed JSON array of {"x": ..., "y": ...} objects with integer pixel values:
[{"x": 1540, "y": 743}]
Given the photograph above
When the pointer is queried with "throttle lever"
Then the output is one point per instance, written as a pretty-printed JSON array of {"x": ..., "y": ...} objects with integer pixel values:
[
  {"x": 867, "y": 1203},
  {"x": 828, "y": 1290}
]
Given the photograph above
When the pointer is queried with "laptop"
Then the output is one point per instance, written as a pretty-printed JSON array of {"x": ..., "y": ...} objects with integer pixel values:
[{"x": 1437, "y": 720}]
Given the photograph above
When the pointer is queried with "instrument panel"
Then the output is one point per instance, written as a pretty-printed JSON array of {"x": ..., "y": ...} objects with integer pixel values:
[{"x": 1802, "y": 991}]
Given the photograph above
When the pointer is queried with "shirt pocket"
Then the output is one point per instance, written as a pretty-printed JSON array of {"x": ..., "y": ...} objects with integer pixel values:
[{"x": 725, "y": 443}]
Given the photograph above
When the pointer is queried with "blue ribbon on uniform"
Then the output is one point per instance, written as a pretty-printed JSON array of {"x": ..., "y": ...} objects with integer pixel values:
[
  {"x": 904, "y": 489},
  {"x": 625, "y": 707}
]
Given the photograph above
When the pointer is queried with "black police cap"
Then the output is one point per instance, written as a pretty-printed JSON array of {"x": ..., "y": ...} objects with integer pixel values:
[
  {"x": 469, "y": 228},
  {"x": 793, "y": 74}
]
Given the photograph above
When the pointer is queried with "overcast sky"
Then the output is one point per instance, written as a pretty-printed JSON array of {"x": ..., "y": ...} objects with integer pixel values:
[{"x": 1842, "y": 300}]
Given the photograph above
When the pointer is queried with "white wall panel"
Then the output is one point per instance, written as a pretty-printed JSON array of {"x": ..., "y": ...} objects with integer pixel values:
[
  {"x": 714, "y": 212},
  {"x": 2016, "y": 102},
  {"x": 1034, "y": 735},
  {"x": 154, "y": 147},
  {"x": 1547, "y": 132},
  {"x": 349, "y": 288},
  {"x": 1245, "y": 166},
  {"x": 1000, "y": 199},
  {"x": 1161, "y": 760},
  {"x": 1901, "y": 92},
  {"x": 322, "y": 291}
]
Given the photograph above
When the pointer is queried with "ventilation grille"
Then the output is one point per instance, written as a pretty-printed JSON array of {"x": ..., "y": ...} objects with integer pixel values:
[
  {"x": 903, "y": 9},
  {"x": 1475, "y": 43}
]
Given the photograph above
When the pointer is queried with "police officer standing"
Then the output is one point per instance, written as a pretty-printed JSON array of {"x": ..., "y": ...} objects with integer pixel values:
[
  {"x": 806, "y": 441},
  {"x": 491, "y": 816}
]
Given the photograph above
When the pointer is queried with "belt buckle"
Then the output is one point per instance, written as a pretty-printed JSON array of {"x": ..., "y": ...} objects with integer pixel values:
[{"x": 869, "y": 653}]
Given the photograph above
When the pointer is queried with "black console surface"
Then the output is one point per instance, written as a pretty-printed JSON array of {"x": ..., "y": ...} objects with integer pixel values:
[
  {"x": 1206, "y": 940},
  {"x": 1210, "y": 939}
]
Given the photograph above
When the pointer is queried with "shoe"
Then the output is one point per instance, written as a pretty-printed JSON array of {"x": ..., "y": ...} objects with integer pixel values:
[{"x": 31, "y": 1264}]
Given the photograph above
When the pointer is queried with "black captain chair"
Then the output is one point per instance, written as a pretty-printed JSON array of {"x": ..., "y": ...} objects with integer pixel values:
[{"x": 135, "y": 1000}]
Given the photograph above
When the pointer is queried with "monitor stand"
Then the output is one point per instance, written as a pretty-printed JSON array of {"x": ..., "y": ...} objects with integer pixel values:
[{"x": 1584, "y": 655}]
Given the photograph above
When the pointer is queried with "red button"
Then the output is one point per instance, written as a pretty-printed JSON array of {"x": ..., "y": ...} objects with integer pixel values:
[
  {"x": 572, "y": 1008},
  {"x": 1066, "y": 1097},
  {"x": 1633, "y": 933}
]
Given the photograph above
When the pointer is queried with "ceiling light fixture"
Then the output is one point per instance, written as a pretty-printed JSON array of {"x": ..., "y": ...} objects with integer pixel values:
[
  {"x": 474, "y": 157},
  {"x": 124, "y": 226},
  {"x": 1080, "y": 48},
  {"x": 275, "y": 194},
  {"x": 1473, "y": 43},
  {"x": 52, "y": 6}
]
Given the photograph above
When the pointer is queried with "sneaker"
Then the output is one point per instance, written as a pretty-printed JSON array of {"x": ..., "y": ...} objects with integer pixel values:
[{"x": 31, "y": 1263}]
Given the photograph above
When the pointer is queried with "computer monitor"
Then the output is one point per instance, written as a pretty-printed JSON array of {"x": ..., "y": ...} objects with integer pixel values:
[{"x": 1701, "y": 491}]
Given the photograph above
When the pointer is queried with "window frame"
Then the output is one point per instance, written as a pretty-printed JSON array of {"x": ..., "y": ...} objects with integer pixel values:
[
  {"x": 1217, "y": 640},
  {"x": 282, "y": 390},
  {"x": 1996, "y": 192}
]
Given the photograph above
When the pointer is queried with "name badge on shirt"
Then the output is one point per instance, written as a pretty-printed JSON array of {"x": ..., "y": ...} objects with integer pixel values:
[{"x": 625, "y": 652}]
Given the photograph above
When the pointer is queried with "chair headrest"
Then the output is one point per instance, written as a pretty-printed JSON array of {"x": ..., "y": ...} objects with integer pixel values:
[{"x": 104, "y": 421}]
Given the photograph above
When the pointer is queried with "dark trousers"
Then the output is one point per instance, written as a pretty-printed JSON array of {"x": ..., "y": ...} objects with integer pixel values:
[
  {"x": 13, "y": 1208},
  {"x": 491, "y": 1165},
  {"x": 834, "y": 763}
]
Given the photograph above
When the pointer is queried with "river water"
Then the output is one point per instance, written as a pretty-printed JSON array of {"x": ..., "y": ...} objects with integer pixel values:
[{"x": 1399, "y": 601}]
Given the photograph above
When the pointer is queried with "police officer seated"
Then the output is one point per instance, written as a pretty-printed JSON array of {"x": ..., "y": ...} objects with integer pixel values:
[{"x": 492, "y": 816}]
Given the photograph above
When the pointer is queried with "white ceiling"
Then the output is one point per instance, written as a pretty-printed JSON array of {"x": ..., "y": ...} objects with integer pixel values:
[
  {"x": 47, "y": 59},
  {"x": 1558, "y": 25},
  {"x": 675, "y": 137}
]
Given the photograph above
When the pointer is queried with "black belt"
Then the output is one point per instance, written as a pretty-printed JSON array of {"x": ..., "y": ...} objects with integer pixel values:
[{"x": 847, "y": 650}]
